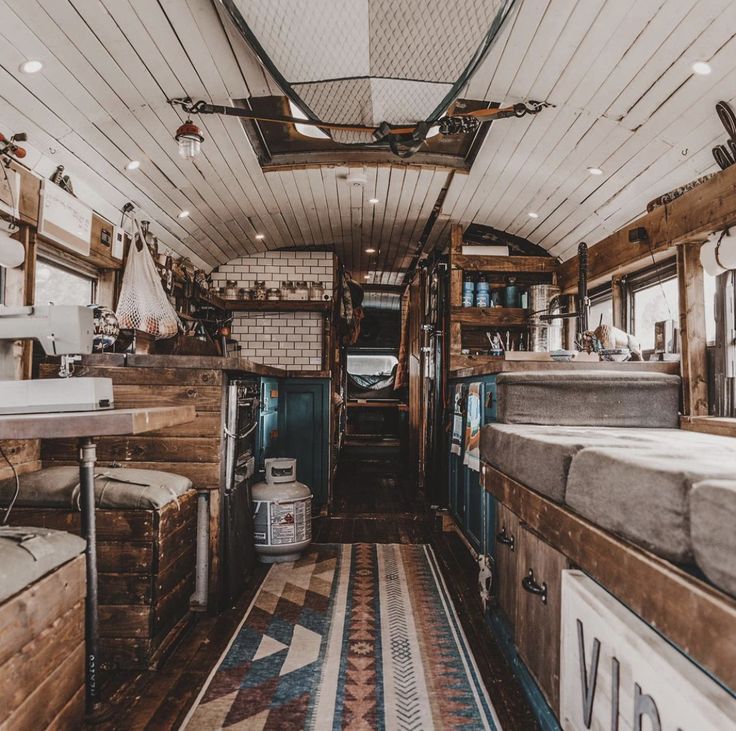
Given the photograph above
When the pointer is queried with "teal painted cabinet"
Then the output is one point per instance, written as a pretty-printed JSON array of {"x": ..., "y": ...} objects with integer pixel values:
[
  {"x": 304, "y": 429},
  {"x": 471, "y": 507}
]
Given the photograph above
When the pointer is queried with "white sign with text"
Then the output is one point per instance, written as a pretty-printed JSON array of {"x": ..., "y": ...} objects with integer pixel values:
[
  {"x": 65, "y": 219},
  {"x": 618, "y": 674}
]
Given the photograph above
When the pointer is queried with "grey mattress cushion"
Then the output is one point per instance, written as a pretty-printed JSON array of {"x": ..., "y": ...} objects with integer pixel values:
[
  {"x": 115, "y": 487},
  {"x": 589, "y": 398},
  {"x": 27, "y": 554},
  {"x": 713, "y": 530},
  {"x": 642, "y": 492},
  {"x": 540, "y": 456}
]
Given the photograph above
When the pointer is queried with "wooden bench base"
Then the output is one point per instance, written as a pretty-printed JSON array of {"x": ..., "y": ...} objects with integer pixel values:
[{"x": 146, "y": 563}]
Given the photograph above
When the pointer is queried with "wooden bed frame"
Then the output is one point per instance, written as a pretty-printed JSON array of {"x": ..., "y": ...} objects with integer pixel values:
[{"x": 695, "y": 616}]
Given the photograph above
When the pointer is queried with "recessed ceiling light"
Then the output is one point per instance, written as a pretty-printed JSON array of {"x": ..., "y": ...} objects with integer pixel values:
[
  {"x": 373, "y": 201},
  {"x": 183, "y": 214},
  {"x": 31, "y": 67},
  {"x": 260, "y": 236},
  {"x": 701, "y": 68},
  {"x": 370, "y": 251},
  {"x": 133, "y": 165},
  {"x": 533, "y": 215},
  {"x": 595, "y": 171}
]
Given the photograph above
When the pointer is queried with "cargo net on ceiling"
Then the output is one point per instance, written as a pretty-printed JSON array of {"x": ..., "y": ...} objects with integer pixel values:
[{"x": 365, "y": 62}]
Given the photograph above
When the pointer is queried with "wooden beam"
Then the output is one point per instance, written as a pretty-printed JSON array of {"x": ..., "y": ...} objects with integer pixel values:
[
  {"x": 691, "y": 217},
  {"x": 693, "y": 345},
  {"x": 697, "y": 617}
]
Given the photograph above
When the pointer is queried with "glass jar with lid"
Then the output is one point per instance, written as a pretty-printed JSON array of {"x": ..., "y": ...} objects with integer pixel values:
[
  {"x": 301, "y": 291},
  {"x": 316, "y": 291},
  {"x": 259, "y": 291}
]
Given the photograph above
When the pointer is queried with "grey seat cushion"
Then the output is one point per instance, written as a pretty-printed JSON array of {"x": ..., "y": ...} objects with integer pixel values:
[
  {"x": 115, "y": 487},
  {"x": 540, "y": 456},
  {"x": 713, "y": 531},
  {"x": 27, "y": 554},
  {"x": 642, "y": 492},
  {"x": 589, "y": 398}
]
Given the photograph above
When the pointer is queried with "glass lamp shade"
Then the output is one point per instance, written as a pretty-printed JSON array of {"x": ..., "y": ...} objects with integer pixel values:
[
  {"x": 189, "y": 139},
  {"x": 189, "y": 147}
]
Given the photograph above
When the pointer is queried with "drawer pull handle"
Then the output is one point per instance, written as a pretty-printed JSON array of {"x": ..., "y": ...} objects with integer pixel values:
[
  {"x": 505, "y": 538},
  {"x": 529, "y": 584}
]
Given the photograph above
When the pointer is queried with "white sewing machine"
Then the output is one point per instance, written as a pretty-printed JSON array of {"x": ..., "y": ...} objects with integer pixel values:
[{"x": 65, "y": 330}]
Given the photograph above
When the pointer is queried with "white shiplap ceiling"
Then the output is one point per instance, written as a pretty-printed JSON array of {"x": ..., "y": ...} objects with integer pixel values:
[{"x": 618, "y": 71}]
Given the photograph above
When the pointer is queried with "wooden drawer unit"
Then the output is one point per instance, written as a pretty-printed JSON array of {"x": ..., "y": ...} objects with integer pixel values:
[
  {"x": 506, "y": 538},
  {"x": 537, "y": 623}
]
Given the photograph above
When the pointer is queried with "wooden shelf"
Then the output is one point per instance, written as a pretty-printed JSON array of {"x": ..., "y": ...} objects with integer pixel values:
[
  {"x": 275, "y": 305},
  {"x": 505, "y": 264},
  {"x": 490, "y": 316}
]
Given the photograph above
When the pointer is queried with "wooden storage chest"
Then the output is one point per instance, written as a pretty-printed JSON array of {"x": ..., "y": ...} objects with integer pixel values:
[
  {"x": 146, "y": 563},
  {"x": 42, "y": 652}
]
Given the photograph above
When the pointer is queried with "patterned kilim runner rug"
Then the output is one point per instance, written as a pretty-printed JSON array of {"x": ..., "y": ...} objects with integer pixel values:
[{"x": 352, "y": 637}]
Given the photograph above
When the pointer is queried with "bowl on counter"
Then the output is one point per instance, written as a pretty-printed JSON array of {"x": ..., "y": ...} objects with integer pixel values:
[
  {"x": 562, "y": 356},
  {"x": 615, "y": 355}
]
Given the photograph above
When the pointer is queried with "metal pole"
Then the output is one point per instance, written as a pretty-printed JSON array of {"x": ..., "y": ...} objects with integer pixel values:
[{"x": 87, "y": 459}]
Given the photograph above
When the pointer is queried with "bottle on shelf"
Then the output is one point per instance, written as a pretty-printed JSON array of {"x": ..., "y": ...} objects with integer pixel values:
[
  {"x": 511, "y": 297},
  {"x": 482, "y": 292}
]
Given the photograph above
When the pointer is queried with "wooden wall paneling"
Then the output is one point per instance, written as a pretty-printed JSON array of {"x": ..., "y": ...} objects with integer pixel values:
[
  {"x": 357, "y": 197},
  {"x": 63, "y": 88},
  {"x": 103, "y": 159},
  {"x": 709, "y": 207},
  {"x": 23, "y": 454},
  {"x": 102, "y": 40},
  {"x": 693, "y": 343}
]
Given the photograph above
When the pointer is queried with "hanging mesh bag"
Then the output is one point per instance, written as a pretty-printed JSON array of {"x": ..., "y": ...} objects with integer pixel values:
[{"x": 143, "y": 304}]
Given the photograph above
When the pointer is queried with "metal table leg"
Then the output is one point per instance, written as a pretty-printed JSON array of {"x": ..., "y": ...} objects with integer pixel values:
[{"x": 87, "y": 459}]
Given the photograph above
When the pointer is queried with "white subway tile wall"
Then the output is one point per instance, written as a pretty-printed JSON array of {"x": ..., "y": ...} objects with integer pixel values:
[{"x": 289, "y": 340}]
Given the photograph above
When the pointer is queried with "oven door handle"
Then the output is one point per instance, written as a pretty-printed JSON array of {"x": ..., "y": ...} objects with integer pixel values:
[{"x": 248, "y": 431}]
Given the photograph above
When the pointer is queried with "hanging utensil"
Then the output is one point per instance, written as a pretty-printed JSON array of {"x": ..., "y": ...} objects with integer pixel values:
[
  {"x": 728, "y": 118},
  {"x": 722, "y": 156}
]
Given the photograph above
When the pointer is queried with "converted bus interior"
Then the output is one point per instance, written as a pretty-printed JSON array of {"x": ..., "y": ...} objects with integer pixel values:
[{"x": 368, "y": 365}]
